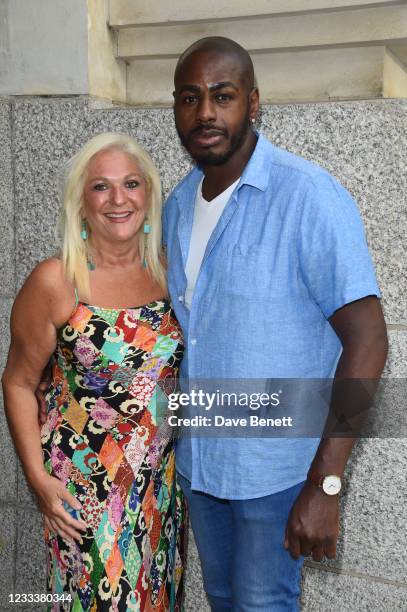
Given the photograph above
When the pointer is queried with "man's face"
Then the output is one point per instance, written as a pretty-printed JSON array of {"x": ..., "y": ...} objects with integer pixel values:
[{"x": 213, "y": 106}]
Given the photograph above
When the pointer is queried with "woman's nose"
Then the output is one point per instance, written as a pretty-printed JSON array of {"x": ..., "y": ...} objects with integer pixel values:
[{"x": 118, "y": 195}]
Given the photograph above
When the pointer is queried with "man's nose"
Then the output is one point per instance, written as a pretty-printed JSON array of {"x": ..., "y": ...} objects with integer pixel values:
[{"x": 206, "y": 110}]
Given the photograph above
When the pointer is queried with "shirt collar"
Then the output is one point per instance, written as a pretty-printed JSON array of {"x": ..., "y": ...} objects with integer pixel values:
[
  {"x": 186, "y": 189},
  {"x": 257, "y": 170}
]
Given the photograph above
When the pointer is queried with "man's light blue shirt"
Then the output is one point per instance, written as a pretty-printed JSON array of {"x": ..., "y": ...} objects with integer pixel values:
[{"x": 288, "y": 251}]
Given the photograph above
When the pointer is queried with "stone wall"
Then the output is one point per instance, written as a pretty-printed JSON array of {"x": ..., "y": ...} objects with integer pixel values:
[
  {"x": 32, "y": 35},
  {"x": 364, "y": 145}
]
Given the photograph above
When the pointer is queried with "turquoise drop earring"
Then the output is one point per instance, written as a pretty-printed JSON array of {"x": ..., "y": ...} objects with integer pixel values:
[
  {"x": 84, "y": 231},
  {"x": 146, "y": 231},
  {"x": 91, "y": 265},
  {"x": 84, "y": 236}
]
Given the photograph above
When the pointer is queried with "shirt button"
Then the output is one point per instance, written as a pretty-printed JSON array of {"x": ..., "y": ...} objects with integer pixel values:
[
  {"x": 180, "y": 298},
  {"x": 193, "y": 341}
]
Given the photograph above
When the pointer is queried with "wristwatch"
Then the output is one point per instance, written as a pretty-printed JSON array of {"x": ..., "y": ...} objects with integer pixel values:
[{"x": 331, "y": 485}]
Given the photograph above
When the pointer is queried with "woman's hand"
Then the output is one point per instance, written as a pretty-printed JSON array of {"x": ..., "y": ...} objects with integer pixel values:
[{"x": 52, "y": 496}]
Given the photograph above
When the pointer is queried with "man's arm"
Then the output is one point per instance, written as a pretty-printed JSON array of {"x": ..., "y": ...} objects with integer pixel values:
[{"x": 313, "y": 524}]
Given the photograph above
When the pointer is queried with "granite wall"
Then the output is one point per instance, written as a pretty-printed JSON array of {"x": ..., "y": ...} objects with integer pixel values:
[{"x": 364, "y": 144}]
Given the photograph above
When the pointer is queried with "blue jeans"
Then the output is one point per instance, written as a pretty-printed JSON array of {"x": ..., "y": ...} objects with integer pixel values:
[{"x": 241, "y": 546}]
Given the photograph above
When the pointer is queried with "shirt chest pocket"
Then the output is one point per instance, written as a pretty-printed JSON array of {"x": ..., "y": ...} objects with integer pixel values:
[{"x": 247, "y": 270}]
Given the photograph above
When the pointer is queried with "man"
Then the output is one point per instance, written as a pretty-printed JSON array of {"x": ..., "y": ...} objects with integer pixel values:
[{"x": 270, "y": 277}]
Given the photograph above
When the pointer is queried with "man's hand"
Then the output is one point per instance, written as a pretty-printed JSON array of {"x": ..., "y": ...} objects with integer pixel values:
[
  {"x": 40, "y": 394},
  {"x": 313, "y": 524}
]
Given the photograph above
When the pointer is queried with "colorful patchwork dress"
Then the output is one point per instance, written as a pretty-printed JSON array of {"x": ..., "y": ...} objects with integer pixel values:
[{"x": 107, "y": 438}]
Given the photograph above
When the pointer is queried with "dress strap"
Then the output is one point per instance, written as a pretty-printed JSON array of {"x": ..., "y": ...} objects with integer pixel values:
[{"x": 76, "y": 297}]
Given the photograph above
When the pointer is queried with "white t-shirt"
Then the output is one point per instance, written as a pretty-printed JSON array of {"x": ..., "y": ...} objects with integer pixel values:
[{"x": 206, "y": 217}]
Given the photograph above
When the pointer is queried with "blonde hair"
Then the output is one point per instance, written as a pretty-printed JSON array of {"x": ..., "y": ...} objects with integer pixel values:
[{"x": 75, "y": 250}]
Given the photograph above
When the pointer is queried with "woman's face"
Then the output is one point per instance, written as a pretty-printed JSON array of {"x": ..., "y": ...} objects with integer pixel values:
[{"x": 115, "y": 196}]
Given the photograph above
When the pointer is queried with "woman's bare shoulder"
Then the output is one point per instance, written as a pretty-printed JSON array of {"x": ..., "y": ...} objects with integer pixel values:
[
  {"x": 47, "y": 276},
  {"x": 48, "y": 270},
  {"x": 47, "y": 288}
]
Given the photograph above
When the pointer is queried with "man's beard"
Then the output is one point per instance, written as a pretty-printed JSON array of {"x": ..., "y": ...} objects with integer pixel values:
[{"x": 209, "y": 158}]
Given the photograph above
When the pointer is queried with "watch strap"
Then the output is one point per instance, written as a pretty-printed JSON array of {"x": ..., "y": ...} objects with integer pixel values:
[{"x": 317, "y": 479}]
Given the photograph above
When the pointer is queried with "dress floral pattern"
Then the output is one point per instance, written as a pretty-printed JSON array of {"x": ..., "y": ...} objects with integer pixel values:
[{"x": 107, "y": 438}]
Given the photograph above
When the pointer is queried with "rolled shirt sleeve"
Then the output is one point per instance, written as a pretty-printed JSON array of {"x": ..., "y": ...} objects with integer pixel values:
[{"x": 334, "y": 258}]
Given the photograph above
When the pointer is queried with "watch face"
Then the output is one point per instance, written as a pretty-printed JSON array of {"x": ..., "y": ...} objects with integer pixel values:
[{"x": 331, "y": 485}]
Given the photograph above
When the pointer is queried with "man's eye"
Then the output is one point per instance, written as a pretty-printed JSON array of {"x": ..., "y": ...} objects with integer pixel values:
[
  {"x": 100, "y": 187},
  {"x": 223, "y": 97},
  {"x": 189, "y": 99},
  {"x": 132, "y": 184}
]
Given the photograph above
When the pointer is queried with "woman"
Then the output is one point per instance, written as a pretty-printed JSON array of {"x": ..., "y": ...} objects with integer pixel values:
[{"x": 102, "y": 466}]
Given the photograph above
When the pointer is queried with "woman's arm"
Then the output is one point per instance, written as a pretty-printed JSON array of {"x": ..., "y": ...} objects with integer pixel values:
[{"x": 43, "y": 304}]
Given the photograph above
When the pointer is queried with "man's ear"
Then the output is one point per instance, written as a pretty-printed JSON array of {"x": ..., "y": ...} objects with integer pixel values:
[{"x": 254, "y": 102}]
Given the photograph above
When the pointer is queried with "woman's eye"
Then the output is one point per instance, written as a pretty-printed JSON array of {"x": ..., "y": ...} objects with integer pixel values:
[
  {"x": 132, "y": 184},
  {"x": 100, "y": 187}
]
